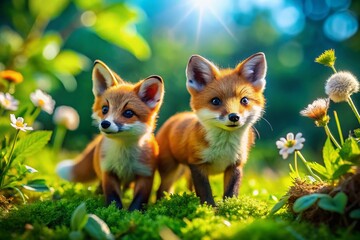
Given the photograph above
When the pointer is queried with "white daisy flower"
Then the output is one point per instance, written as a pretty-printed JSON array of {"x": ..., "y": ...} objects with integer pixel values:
[
  {"x": 43, "y": 100},
  {"x": 66, "y": 116},
  {"x": 290, "y": 144},
  {"x": 18, "y": 123},
  {"x": 8, "y": 102}
]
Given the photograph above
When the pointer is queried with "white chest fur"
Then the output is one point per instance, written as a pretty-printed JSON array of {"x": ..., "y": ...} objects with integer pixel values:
[
  {"x": 225, "y": 148},
  {"x": 123, "y": 160}
]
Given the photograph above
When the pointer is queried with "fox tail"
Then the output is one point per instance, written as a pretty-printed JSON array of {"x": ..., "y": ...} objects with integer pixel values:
[{"x": 82, "y": 168}]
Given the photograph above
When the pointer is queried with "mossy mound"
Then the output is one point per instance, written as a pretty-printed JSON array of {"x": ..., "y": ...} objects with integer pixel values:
[{"x": 349, "y": 186}]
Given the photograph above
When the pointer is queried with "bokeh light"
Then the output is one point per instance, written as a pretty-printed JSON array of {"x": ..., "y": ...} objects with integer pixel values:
[
  {"x": 340, "y": 26},
  {"x": 289, "y": 20}
]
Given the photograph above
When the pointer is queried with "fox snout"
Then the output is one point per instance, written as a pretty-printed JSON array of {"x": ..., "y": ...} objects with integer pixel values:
[
  {"x": 233, "y": 117},
  {"x": 105, "y": 124}
]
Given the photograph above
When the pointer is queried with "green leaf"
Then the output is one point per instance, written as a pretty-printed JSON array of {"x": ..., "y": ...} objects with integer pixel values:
[
  {"x": 116, "y": 24},
  {"x": 355, "y": 213},
  {"x": 305, "y": 202},
  {"x": 320, "y": 169},
  {"x": 30, "y": 169},
  {"x": 37, "y": 185},
  {"x": 357, "y": 132},
  {"x": 76, "y": 235},
  {"x": 70, "y": 62},
  {"x": 279, "y": 205},
  {"x": 350, "y": 150},
  {"x": 31, "y": 144},
  {"x": 330, "y": 156},
  {"x": 341, "y": 170},
  {"x": 79, "y": 217},
  {"x": 335, "y": 204},
  {"x": 48, "y": 10},
  {"x": 22, "y": 195},
  {"x": 97, "y": 228},
  {"x": 88, "y": 5}
]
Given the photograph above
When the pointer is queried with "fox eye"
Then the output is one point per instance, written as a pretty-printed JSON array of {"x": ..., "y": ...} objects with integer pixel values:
[
  {"x": 216, "y": 101},
  {"x": 105, "y": 110},
  {"x": 244, "y": 101},
  {"x": 128, "y": 114}
]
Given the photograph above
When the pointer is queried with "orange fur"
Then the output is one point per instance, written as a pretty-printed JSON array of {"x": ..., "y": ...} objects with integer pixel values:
[
  {"x": 213, "y": 138},
  {"x": 126, "y": 151}
]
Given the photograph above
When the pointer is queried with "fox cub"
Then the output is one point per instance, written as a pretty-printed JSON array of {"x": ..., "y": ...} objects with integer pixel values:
[
  {"x": 217, "y": 135},
  {"x": 126, "y": 150}
]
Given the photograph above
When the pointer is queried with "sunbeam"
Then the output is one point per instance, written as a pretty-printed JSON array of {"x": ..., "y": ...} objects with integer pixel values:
[{"x": 204, "y": 12}]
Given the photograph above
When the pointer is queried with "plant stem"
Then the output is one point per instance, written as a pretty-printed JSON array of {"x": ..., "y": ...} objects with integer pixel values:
[
  {"x": 333, "y": 68},
  {"x": 8, "y": 165},
  {"x": 34, "y": 115},
  {"x": 339, "y": 128},
  {"x": 328, "y": 132},
  {"x": 307, "y": 167},
  {"x": 296, "y": 167},
  {"x": 352, "y": 105},
  {"x": 59, "y": 137}
]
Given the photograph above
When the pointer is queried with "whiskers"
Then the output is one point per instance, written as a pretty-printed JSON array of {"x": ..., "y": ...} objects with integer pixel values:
[
  {"x": 257, "y": 132},
  {"x": 271, "y": 128},
  {"x": 268, "y": 123}
]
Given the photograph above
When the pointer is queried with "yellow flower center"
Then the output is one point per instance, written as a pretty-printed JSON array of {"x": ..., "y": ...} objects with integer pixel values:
[
  {"x": 19, "y": 124},
  {"x": 41, "y": 102},
  {"x": 7, "y": 102},
  {"x": 290, "y": 143}
]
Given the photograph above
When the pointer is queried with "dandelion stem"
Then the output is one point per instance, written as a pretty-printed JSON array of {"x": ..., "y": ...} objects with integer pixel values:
[
  {"x": 8, "y": 165},
  {"x": 339, "y": 128},
  {"x": 328, "y": 132},
  {"x": 352, "y": 105},
  {"x": 307, "y": 166}
]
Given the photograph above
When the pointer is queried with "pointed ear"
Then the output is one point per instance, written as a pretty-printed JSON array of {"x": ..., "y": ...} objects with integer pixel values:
[
  {"x": 103, "y": 78},
  {"x": 151, "y": 91},
  {"x": 199, "y": 72},
  {"x": 254, "y": 70}
]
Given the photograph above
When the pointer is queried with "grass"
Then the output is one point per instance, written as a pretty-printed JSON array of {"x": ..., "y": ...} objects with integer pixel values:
[{"x": 178, "y": 216}]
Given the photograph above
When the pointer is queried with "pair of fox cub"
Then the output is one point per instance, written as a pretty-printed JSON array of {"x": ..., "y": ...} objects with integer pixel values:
[{"x": 214, "y": 138}]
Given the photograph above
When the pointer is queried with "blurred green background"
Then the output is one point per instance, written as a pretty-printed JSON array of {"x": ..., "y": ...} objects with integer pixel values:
[{"x": 53, "y": 44}]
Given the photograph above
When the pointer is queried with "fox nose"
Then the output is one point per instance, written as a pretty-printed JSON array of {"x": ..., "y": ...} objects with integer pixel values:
[
  {"x": 105, "y": 124},
  {"x": 233, "y": 117}
]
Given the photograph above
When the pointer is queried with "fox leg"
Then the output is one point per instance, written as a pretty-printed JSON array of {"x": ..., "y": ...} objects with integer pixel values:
[
  {"x": 202, "y": 185},
  {"x": 142, "y": 191},
  {"x": 169, "y": 173},
  {"x": 232, "y": 180},
  {"x": 111, "y": 189}
]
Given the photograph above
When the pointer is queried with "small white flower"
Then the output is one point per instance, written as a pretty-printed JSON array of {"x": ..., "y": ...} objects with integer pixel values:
[
  {"x": 8, "y": 102},
  {"x": 43, "y": 100},
  {"x": 18, "y": 123},
  {"x": 66, "y": 116},
  {"x": 290, "y": 144}
]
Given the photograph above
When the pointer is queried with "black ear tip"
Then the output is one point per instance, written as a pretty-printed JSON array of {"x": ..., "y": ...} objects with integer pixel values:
[
  {"x": 97, "y": 62},
  {"x": 194, "y": 57},
  {"x": 157, "y": 77}
]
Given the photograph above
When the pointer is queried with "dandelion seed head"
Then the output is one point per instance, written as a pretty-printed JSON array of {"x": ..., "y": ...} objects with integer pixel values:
[
  {"x": 66, "y": 116},
  {"x": 341, "y": 85}
]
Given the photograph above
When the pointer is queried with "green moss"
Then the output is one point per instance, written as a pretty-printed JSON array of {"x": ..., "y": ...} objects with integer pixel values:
[
  {"x": 179, "y": 214},
  {"x": 242, "y": 208}
]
